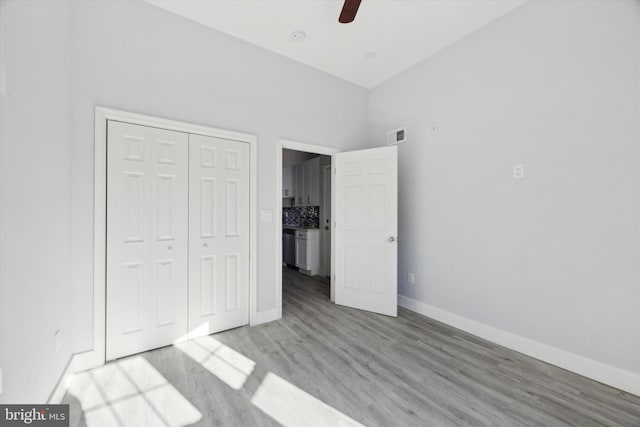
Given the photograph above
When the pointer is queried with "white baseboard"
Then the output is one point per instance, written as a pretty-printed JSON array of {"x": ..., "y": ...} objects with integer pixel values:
[
  {"x": 615, "y": 377},
  {"x": 61, "y": 386},
  {"x": 266, "y": 316},
  {"x": 78, "y": 362},
  {"x": 87, "y": 360}
]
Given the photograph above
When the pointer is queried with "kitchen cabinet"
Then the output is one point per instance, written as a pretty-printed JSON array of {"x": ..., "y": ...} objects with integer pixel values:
[
  {"x": 308, "y": 251},
  {"x": 297, "y": 185},
  {"x": 304, "y": 184},
  {"x": 301, "y": 254},
  {"x": 287, "y": 182},
  {"x": 312, "y": 181}
]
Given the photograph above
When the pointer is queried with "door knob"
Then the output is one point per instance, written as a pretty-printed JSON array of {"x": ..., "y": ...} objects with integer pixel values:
[
  {"x": 170, "y": 248},
  {"x": 391, "y": 239},
  {"x": 205, "y": 245}
]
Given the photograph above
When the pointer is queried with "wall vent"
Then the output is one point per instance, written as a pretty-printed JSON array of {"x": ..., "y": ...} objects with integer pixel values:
[{"x": 397, "y": 136}]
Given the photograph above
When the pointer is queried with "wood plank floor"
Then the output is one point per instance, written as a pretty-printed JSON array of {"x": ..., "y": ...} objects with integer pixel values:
[{"x": 372, "y": 369}]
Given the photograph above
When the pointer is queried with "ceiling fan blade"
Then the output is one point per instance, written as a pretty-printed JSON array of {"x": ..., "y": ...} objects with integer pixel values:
[{"x": 349, "y": 10}]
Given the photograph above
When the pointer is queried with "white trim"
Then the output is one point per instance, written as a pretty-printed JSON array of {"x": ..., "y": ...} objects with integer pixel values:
[
  {"x": 253, "y": 227},
  {"x": 308, "y": 148},
  {"x": 87, "y": 360},
  {"x": 325, "y": 273},
  {"x": 96, "y": 356},
  {"x": 593, "y": 369},
  {"x": 63, "y": 383}
]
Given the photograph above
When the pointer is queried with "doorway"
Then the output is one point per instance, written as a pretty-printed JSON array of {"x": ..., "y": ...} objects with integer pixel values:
[
  {"x": 301, "y": 202},
  {"x": 363, "y": 226},
  {"x": 306, "y": 213}
]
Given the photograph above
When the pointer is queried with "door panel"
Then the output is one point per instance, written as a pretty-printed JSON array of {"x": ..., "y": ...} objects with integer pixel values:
[
  {"x": 366, "y": 230},
  {"x": 147, "y": 189},
  {"x": 218, "y": 234},
  {"x": 301, "y": 254}
]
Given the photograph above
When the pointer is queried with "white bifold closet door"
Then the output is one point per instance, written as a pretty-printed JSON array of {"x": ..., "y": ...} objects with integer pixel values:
[
  {"x": 177, "y": 237},
  {"x": 218, "y": 234},
  {"x": 147, "y": 238}
]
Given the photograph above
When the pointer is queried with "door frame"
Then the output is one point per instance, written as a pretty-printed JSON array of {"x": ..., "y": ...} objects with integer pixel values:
[
  {"x": 281, "y": 145},
  {"x": 326, "y": 169},
  {"x": 96, "y": 356}
]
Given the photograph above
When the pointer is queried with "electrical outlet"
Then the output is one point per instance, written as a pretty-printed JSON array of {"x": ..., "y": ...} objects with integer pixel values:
[
  {"x": 518, "y": 171},
  {"x": 57, "y": 342},
  {"x": 411, "y": 278}
]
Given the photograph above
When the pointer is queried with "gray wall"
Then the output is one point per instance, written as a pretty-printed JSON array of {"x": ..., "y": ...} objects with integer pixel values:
[
  {"x": 554, "y": 85},
  {"x": 35, "y": 195},
  {"x": 134, "y": 56}
]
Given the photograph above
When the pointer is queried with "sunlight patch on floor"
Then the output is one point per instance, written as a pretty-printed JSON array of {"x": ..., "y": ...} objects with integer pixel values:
[
  {"x": 293, "y": 407},
  {"x": 225, "y": 363},
  {"x": 131, "y": 392}
]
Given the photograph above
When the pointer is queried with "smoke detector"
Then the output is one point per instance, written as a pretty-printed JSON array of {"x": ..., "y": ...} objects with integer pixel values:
[{"x": 397, "y": 136}]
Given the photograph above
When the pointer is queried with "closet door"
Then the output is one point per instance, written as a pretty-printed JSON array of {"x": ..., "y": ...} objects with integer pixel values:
[
  {"x": 218, "y": 234},
  {"x": 147, "y": 238}
]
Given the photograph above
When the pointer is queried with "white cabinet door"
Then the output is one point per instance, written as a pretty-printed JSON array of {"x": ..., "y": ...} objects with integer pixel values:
[
  {"x": 313, "y": 197},
  {"x": 298, "y": 190},
  {"x": 146, "y": 238},
  {"x": 301, "y": 254},
  {"x": 306, "y": 183},
  {"x": 366, "y": 230},
  {"x": 287, "y": 181},
  {"x": 218, "y": 234},
  {"x": 312, "y": 264}
]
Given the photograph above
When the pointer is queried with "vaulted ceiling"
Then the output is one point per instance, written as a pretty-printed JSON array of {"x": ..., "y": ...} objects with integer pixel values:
[{"x": 386, "y": 37}]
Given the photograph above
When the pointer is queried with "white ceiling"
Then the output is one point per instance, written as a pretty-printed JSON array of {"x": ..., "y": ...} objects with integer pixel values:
[{"x": 400, "y": 32}]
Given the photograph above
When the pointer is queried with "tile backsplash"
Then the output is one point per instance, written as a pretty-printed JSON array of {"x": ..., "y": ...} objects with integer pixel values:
[{"x": 302, "y": 216}]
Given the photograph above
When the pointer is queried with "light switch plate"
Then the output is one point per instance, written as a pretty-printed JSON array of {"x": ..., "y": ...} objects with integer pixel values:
[
  {"x": 266, "y": 215},
  {"x": 411, "y": 278}
]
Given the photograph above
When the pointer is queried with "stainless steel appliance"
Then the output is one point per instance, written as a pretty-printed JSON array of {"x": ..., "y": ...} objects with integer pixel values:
[{"x": 289, "y": 247}]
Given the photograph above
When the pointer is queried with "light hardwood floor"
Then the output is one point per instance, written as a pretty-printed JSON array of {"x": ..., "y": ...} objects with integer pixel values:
[{"x": 369, "y": 369}]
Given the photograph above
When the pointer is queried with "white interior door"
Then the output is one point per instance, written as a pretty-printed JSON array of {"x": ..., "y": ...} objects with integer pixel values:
[
  {"x": 147, "y": 238},
  {"x": 218, "y": 234},
  {"x": 366, "y": 215}
]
